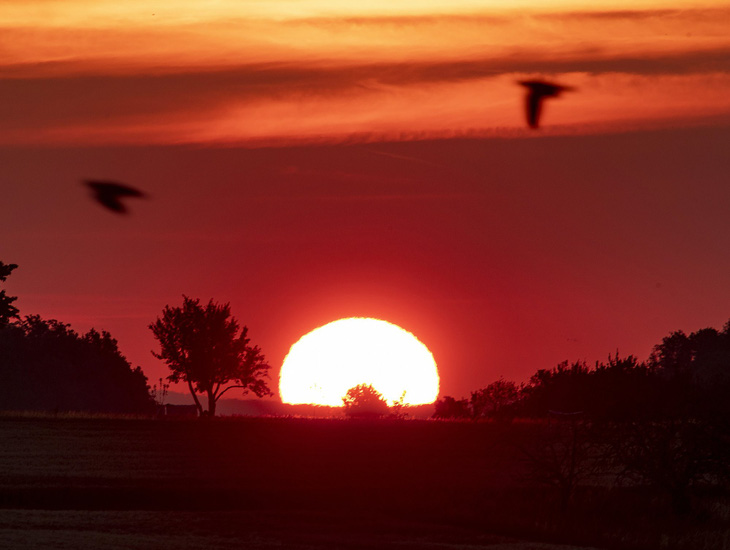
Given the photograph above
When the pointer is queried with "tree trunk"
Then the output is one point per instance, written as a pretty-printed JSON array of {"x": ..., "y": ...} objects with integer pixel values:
[
  {"x": 195, "y": 398},
  {"x": 211, "y": 403}
]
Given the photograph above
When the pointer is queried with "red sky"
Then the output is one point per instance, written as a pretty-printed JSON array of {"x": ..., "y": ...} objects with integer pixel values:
[{"x": 307, "y": 161}]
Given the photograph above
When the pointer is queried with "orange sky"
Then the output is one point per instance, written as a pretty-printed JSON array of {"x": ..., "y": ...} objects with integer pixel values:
[
  {"x": 266, "y": 72},
  {"x": 312, "y": 160}
]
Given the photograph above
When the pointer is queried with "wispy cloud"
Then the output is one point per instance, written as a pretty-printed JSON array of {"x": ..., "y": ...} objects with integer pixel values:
[{"x": 119, "y": 77}]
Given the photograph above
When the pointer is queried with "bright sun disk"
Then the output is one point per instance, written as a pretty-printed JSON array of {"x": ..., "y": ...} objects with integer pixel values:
[{"x": 333, "y": 358}]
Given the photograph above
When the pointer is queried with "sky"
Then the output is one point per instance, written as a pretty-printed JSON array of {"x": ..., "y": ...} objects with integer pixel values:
[{"x": 309, "y": 160}]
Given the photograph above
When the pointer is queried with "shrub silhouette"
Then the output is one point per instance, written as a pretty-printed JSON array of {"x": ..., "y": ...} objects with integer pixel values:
[
  {"x": 364, "y": 401},
  {"x": 448, "y": 407}
]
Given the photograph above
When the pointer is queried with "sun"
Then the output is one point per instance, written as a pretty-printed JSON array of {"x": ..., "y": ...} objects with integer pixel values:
[{"x": 333, "y": 358}]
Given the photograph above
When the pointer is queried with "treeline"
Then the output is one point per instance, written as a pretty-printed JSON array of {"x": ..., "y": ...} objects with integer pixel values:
[
  {"x": 686, "y": 376},
  {"x": 663, "y": 424},
  {"x": 47, "y": 366}
]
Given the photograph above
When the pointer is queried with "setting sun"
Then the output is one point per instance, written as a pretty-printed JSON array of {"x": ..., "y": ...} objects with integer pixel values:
[{"x": 333, "y": 358}]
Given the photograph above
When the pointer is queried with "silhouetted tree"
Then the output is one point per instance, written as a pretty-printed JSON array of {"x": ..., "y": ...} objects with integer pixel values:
[
  {"x": 621, "y": 389},
  {"x": 45, "y": 365},
  {"x": 496, "y": 401},
  {"x": 683, "y": 440},
  {"x": 399, "y": 409},
  {"x": 672, "y": 362},
  {"x": 562, "y": 389},
  {"x": 694, "y": 373},
  {"x": 563, "y": 453},
  {"x": 202, "y": 346},
  {"x": 7, "y": 310},
  {"x": 448, "y": 407},
  {"x": 364, "y": 401},
  {"x": 672, "y": 455}
]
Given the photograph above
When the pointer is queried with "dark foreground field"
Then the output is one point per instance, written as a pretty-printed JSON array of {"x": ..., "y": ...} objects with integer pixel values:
[{"x": 295, "y": 483}]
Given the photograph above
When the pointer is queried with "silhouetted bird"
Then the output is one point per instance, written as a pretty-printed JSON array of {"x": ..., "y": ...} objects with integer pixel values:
[
  {"x": 537, "y": 91},
  {"x": 110, "y": 193}
]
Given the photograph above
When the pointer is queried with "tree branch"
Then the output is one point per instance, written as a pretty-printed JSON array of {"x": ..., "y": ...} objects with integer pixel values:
[{"x": 228, "y": 388}]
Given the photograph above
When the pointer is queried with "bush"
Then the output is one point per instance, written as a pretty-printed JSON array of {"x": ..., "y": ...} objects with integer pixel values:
[{"x": 364, "y": 401}]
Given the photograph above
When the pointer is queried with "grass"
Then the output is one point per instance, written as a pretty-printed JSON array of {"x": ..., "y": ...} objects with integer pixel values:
[
  {"x": 235, "y": 529},
  {"x": 329, "y": 482},
  {"x": 68, "y": 415}
]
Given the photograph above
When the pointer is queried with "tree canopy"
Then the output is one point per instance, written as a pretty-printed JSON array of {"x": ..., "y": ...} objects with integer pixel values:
[
  {"x": 497, "y": 400},
  {"x": 664, "y": 422},
  {"x": 45, "y": 365},
  {"x": 686, "y": 376},
  {"x": 448, "y": 407},
  {"x": 7, "y": 310},
  {"x": 204, "y": 346},
  {"x": 364, "y": 401}
]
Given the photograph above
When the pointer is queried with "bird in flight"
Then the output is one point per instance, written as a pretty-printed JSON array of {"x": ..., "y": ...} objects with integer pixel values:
[
  {"x": 110, "y": 193},
  {"x": 537, "y": 91}
]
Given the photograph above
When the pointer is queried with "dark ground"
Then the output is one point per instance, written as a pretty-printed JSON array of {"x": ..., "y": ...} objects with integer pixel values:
[{"x": 298, "y": 483}]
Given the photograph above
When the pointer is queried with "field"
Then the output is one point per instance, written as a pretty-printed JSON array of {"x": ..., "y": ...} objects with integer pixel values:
[{"x": 309, "y": 483}]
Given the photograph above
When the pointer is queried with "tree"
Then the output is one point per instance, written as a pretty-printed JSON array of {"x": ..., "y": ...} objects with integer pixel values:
[
  {"x": 496, "y": 401},
  {"x": 694, "y": 372},
  {"x": 46, "y": 365},
  {"x": 7, "y": 310},
  {"x": 621, "y": 389},
  {"x": 399, "y": 409},
  {"x": 562, "y": 453},
  {"x": 448, "y": 407},
  {"x": 672, "y": 455},
  {"x": 202, "y": 346},
  {"x": 563, "y": 388},
  {"x": 364, "y": 401}
]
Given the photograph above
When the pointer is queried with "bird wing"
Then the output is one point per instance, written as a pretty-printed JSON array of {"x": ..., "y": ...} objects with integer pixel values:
[
  {"x": 112, "y": 204},
  {"x": 109, "y": 193},
  {"x": 114, "y": 188}
]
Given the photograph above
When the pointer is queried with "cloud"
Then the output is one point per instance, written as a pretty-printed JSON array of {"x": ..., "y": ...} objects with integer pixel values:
[
  {"x": 234, "y": 37},
  {"x": 35, "y": 102},
  {"x": 358, "y": 77},
  {"x": 496, "y": 17}
]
